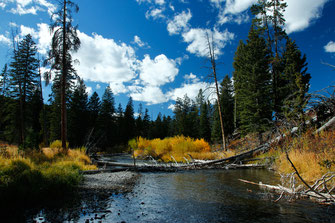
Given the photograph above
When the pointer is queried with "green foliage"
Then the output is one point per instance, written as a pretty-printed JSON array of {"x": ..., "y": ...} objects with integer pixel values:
[
  {"x": 252, "y": 82},
  {"x": 78, "y": 115}
]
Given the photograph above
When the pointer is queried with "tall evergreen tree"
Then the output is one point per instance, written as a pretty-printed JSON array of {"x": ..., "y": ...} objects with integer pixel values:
[
  {"x": 78, "y": 115},
  {"x": 270, "y": 19},
  {"x": 129, "y": 120},
  {"x": 252, "y": 83},
  {"x": 294, "y": 82},
  {"x": 4, "y": 81},
  {"x": 64, "y": 40},
  {"x": 23, "y": 80},
  {"x": 204, "y": 121},
  {"x": 107, "y": 124},
  {"x": 227, "y": 103}
]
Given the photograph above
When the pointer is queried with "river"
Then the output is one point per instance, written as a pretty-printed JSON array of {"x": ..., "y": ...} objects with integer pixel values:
[{"x": 189, "y": 196}]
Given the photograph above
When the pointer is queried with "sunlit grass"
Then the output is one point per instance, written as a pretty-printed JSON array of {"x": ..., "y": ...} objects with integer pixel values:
[
  {"x": 312, "y": 155},
  {"x": 178, "y": 148},
  {"x": 37, "y": 172}
]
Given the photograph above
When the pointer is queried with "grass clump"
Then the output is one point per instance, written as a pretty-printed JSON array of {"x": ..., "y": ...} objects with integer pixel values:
[
  {"x": 312, "y": 155},
  {"x": 178, "y": 148},
  {"x": 32, "y": 174}
]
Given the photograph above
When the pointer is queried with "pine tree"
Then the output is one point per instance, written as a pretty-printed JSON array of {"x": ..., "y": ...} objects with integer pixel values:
[
  {"x": 23, "y": 80},
  {"x": 129, "y": 120},
  {"x": 146, "y": 124},
  {"x": 4, "y": 81},
  {"x": 64, "y": 40},
  {"x": 106, "y": 120},
  {"x": 227, "y": 108},
  {"x": 294, "y": 82},
  {"x": 252, "y": 82},
  {"x": 227, "y": 103},
  {"x": 270, "y": 19},
  {"x": 204, "y": 122},
  {"x": 78, "y": 115}
]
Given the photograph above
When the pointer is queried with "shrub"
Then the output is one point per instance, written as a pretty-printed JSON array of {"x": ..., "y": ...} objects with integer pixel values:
[
  {"x": 171, "y": 148},
  {"x": 57, "y": 144}
]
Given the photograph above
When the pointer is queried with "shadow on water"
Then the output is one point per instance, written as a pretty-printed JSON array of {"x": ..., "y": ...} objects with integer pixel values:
[{"x": 190, "y": 196}]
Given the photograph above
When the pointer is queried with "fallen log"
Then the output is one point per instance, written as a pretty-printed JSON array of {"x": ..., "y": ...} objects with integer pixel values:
[
  {"x": 330, "y": 123},
  {"x": 248, "y": 154},
  {"x": 319, "y": 197}
]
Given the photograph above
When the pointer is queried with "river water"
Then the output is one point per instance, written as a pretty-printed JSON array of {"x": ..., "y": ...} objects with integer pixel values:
[{"x": 189, "y": 196}]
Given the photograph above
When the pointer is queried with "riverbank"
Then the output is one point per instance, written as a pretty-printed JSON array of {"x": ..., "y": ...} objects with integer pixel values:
[{"x": 119, "y": 182}]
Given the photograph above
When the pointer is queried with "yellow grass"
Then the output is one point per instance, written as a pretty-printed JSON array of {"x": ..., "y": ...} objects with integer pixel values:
[
  {"x": 313, "y": 156},
  {"x": 177, "y": 148}
]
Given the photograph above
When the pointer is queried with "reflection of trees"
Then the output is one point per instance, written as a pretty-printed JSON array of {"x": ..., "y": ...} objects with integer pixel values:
[{"x": 73, "y": 208}]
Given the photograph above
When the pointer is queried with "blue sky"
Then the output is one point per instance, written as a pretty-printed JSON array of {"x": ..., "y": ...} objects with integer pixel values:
[{"x": 155, "y": 50}]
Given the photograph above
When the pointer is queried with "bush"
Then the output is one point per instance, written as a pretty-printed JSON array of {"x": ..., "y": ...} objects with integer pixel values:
[
  {"x": 178, "y": 147},
  {"x": 57, "y": 144}
]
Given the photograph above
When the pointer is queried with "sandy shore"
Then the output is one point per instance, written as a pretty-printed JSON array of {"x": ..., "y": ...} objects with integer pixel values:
[{"x": 122, "y": 181}]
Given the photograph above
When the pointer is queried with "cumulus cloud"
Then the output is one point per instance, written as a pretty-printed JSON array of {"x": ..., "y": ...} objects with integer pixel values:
[
  {"x": 330, "y": 47},
  {"x": 28, "y": 30},
  {"x": 154, "y": 13},
  {"x": 189, "y": 89},
  {"x": 4, "y": 40},
  {"x": 149, "y": 94},
  {"x": 197, "y": 40},
  {"x": 23, "y": 7},
  {"x": 179, "y": 22},
  {"x": 158, "y": 71},
  {"x": 104, "y": 60},
  {"x": 299, "y": 18},
  {"x": 98, "y": 86}
]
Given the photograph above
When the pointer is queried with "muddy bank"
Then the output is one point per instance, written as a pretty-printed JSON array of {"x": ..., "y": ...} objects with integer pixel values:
[{"x": 122, "y": 181}]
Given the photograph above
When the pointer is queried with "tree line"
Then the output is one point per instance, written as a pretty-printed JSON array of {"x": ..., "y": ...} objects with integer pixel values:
[{"x": 269, "y": 83}]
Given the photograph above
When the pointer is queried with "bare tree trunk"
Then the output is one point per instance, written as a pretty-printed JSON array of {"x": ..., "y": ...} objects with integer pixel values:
[
  {"x": 212, "y": 59},
  {"x": 63, "y": 84}
]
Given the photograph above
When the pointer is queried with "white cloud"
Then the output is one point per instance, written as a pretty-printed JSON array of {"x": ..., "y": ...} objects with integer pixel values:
[
  {"x": 238, "y": 6},
  {"x": 89, "y": 90},
  {"x": 23, "y": 7},
  {"x": 179, "y": 22},
  {"x": 300, "y": 13},
  {"x": 171, "y": 107},
  {"x": 139, "y": 42},
  {"x": 98, "y": 86},
  {"x": 22, "y": 11},
  {"x": 2, "y": 5},
  {"x": 154, "y": 13},
  {"x": 171, "y": 7},
  {"x": 191, "y": 78},
  {"x": 44, "y": 38},
  {"x": 103, "y": 60},
  {"x": 148, "y": 94},
  {"x": 28, "y": 30},
  {"x": 158, "y": 2},
  {"x": 158, "y": 71},
  {"x": 4, "y": 40},
  {"x": 189, "y": 89},
  {"x": 197, "y": 40},
  {"x": 330, "y": 47}
]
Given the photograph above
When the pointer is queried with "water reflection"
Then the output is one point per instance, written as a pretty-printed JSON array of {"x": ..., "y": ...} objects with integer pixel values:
[{"x": 192, "y": 196}]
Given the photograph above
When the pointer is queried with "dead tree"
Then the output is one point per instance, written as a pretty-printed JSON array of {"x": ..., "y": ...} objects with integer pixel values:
[{"x": 211, "y": 55}]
